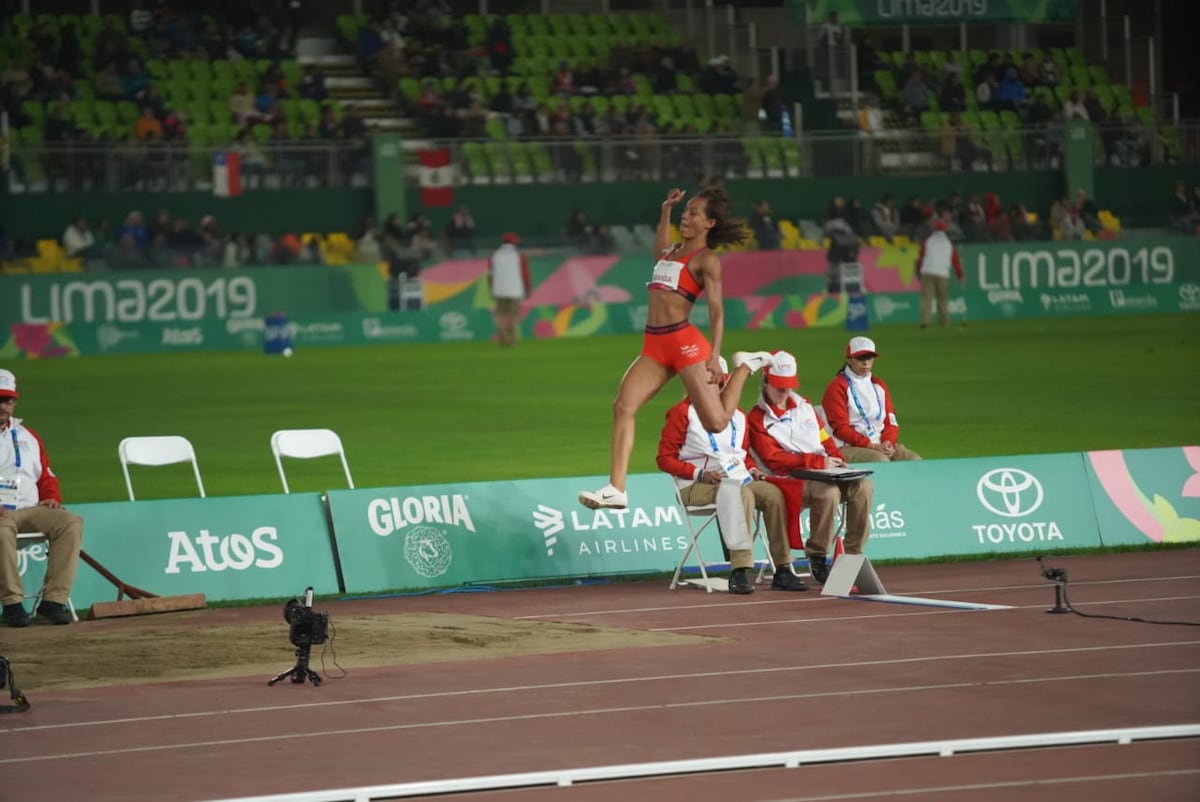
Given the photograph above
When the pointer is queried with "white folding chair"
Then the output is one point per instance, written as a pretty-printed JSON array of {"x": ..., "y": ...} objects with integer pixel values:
[
  {"x": 707, "y": 512},
  {"x": 155, "y": 452},
  {"x": 307, "y": 444},
  {"x": 34, "y": 539}
]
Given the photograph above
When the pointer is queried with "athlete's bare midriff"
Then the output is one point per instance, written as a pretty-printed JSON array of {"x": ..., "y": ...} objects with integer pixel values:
[{"x": 666, "y": 307}]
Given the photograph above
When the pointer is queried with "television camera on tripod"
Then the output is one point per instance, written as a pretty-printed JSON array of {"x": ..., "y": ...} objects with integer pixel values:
[{"x": 306, "y": 628}]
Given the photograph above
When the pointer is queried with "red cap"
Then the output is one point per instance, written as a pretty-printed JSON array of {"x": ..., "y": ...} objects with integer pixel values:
[
  {"x": 511, "y": 238},
  {"x": 783, "y": 373},
  {"x": 939, "y": 225}
]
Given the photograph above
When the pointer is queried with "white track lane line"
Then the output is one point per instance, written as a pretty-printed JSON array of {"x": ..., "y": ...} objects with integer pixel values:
[
  {"x": 793, "y": 598},
  {"x": 600, "y": 711},
  {"x": 672, "y": 678}
]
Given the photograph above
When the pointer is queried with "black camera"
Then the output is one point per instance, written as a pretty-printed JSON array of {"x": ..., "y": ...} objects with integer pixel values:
[
  {"x": 20, "y": 703},
  {"x": 307, "y": 627}
]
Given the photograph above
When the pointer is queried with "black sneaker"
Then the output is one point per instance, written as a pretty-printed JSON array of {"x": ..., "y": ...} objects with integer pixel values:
[
  {"x": 818, "y": 568},
  {"x": 786, "y": 579},
  {"x": 739, "y": 582},
  {"x": 15, "y": 615},
  {"x": 54, "y": 612}
]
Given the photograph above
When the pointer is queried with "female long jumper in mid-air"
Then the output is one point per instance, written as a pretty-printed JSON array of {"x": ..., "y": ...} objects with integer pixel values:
[{"x": 672, "y": 345}]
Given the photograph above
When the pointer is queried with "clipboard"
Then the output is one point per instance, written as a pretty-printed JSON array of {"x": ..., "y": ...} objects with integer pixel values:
[{"x": 835, "y": 475}]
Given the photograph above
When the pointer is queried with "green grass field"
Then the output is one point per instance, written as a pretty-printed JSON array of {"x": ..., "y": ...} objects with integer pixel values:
[{"x": 438, "y": 413}]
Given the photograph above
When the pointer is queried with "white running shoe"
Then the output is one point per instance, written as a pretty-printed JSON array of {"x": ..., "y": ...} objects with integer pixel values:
[
  {"x": 607, "y": 496},
  {"x": 755, "y": 360}
]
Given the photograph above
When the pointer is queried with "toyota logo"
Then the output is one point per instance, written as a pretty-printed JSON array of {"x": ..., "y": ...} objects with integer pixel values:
[{"x": 1010, "y": 492}]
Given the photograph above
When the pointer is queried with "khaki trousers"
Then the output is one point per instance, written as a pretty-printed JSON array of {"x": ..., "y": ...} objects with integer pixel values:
[
  {"x": 822, "y": 500},
  {"x": 935, "y": 287},
  {"x": 762, "y": 496},
  {"x": 857, "y": 454},
  {"x": 65, "y": 532}
]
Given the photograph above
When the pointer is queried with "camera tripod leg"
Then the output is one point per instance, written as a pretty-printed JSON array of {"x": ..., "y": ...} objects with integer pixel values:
[
  {"x": 299, "y": 672},
  {"x": 1060, "y": 600}
]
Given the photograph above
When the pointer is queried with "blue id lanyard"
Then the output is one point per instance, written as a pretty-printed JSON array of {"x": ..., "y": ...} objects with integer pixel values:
[
  {"x": 732, "y": 439},
  {"x": 858, "y": 406},
  {"x": 16, "y": 448}
]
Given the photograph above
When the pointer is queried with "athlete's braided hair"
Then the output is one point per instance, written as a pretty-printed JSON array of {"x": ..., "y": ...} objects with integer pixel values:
[{"x": 729, "y": 230}]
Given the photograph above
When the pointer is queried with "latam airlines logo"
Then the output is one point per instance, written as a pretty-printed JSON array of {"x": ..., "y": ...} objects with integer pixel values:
[
  {"x": 1016, "y": 495},
  {"x": 551, "y": 522}
]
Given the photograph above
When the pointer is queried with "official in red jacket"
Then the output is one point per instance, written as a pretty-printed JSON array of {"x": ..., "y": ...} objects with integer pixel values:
[
  {"x": 937, "y": 258},
  {"x": 786, "y": 435},
  {"x": 859, "y": 412},
  {"x": 30, "y": 501},
  {"x": 701, "y": 461}
]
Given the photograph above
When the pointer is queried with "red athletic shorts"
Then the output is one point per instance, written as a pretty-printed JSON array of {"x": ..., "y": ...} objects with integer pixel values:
[{"x": 676, "y": 346}]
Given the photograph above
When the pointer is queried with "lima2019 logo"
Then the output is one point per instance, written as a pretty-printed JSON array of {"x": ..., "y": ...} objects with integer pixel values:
[{"x": 1013, "y": 493}]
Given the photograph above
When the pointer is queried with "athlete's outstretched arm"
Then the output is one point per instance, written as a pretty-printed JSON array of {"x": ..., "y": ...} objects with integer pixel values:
[{"x": 662, "y": 237}]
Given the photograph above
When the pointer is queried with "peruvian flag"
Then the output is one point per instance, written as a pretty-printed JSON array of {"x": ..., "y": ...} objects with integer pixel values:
[
  {"x": 437, "y": 177},
  {"x": 227, "y": 174}
]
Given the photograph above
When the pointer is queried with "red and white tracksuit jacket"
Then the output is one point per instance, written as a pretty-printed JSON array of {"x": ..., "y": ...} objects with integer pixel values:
[
  {"x": 37, "y": 481},
  {"x": 784, "y": 440},
  {"x": 847, "y": 423},
  {"x": 686, "y": 448}
]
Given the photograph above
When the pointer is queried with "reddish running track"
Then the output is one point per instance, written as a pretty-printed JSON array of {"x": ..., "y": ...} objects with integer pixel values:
[{"x": 774, "y": 672}]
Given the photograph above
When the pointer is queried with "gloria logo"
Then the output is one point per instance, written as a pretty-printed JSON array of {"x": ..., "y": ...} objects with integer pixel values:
[
  {"x": 1010, "y": 492},
  {"x": 551, "y": 522},
  {"x": 428, "y": 551},
  {"x": 235, "y": 552},
  {"x": 454, "y": 326},
  {"x": 109, "y": 336},
  {"x": 1013, "y": 493},
  {"x": 386, "y": 515}
]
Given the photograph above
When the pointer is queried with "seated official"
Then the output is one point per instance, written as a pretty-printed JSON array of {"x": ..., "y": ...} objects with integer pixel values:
[
  {"x": 30, "y": 501},
  {"x": 859, "y": 411},
  {"x": 701, "y": 462},
  {"x": 786, "y": 435}
]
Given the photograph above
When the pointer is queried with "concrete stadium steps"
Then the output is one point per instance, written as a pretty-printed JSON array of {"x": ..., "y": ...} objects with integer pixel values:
[{"x": 362, "y": 97}]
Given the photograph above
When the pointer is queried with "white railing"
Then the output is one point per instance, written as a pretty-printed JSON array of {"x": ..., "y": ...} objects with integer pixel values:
[{"x": 789, "y": 760}]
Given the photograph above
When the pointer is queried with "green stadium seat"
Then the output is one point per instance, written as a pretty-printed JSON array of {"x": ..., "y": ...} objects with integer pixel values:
[
  {"x": 754, "y": 160},
  {"x": 497, "y": 161},
  {"x": 704, "y": 105},
  {"x": 791, "y": 156},
  {"x": 495, "y": 129},
  {"x": 543, "y": 165},
  {"x": 989, "y": 120},
  {"x": 1009, "y": 119},
  {"x": 1080, "y": 76},
  {"x": 1099, "y": 75},
  {"x": 1075, "y": 57}
]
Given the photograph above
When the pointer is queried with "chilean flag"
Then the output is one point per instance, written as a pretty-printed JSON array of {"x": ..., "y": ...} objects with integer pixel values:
[
  {"x": 437, "y": 177},
  {"x": 227, "y": 174}
]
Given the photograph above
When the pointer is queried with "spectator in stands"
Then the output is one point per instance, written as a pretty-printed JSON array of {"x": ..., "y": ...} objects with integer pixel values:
[
  {"x": 1048, "y": 72},
  {"x": 499, "y": 45},
  {"x": 126, "y": 254},
  {"x": 1089, "y": 213},
  {"x": 859, "y": 409},
  {"x": 369, "y": 45},
  {"x": 577, "y": 231},
  {"x": 368, "y": 249},
  {"x": 1029, "y": 74},
  {"x": 1183, "y": 212},
  {"x": 912, "y": 218},
  {"x": 884, "y": 217},
  {"x": 312, "y": 83},
  {"x": 997, "y": 218},
  {"x": 1071, "y": 225},
  {"x": 869, "y": 62},
  {"x": 915, "y": 95},
  {"x": 108, "y": 84},
  {"x": 773, "y": 105},
  {"x": 856, "y": 217},
  {"x": 241, "y": 104},
  {"x": 460, "y": 233},
  {"x": 765, "y": 227},
  {"x": 787, "y": 435},
  {"x": 953, "y": 96},
  {"x": 985, "y": 92},
  {"x": 253, "y": 163},
  {"x": 78, "y": 241},
  {"x": 1019, "y": 224},
  {"x": 974, "y": 221},
  {"x": 937, "y": 258},
  {"x": 1073, "y": 109},
  {"x": 603, "y": 241},
  {"x": 563, "y": 82},
  {"x": 1011, "y": 94},
  {"x": 135, "y": 228}
]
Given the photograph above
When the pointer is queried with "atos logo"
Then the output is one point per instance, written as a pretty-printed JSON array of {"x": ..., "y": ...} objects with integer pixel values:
[{"x": 1010, "y": 492}]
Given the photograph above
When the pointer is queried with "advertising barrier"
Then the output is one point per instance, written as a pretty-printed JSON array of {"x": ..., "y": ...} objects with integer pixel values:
[
  {"x": 932, "y": 12},
  {"x": 440, "y": 536},
  {"x": 235, "y": 547}
]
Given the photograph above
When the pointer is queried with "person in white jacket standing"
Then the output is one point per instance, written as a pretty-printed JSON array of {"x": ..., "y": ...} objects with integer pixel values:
[
  {"x": 937, "y": 258},
  {"x": 508, "y": 281}
]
